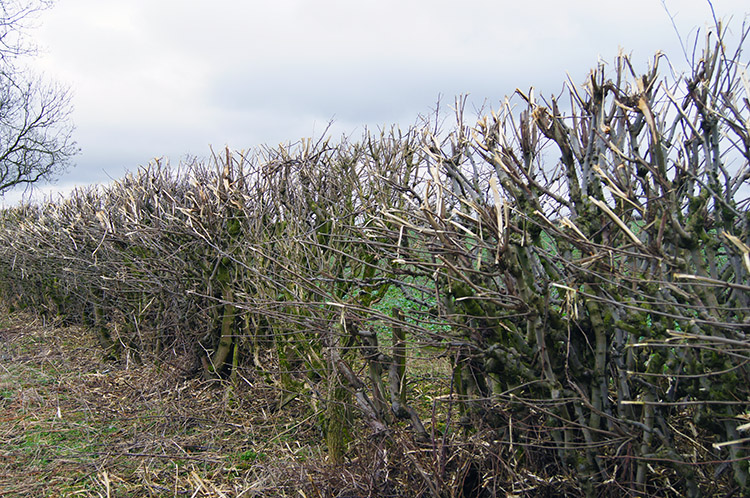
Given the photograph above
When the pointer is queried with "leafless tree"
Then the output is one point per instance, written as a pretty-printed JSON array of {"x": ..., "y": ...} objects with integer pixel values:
[{"x": 35, "y": 130}]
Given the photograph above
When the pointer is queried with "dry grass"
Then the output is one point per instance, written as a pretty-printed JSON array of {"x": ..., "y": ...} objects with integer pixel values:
[{"x": 73, "y": 425}]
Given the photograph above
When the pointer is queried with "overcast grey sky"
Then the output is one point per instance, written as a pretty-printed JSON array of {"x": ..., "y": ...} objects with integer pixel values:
[{"x": 169, "y": 78}]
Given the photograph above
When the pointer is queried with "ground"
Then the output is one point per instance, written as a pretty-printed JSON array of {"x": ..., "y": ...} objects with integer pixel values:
[{"x": 72, "y": 424}]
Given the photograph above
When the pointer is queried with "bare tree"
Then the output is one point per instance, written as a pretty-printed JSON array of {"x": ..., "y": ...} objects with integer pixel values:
[{"x": 35, "y": 131}]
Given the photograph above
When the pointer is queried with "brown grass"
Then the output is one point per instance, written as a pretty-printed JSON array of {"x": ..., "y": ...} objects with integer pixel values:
[{"x": 72, "y": 425}]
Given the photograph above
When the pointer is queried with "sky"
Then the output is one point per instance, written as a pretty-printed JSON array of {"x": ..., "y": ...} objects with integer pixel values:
[{"x": 172, "y": 79}]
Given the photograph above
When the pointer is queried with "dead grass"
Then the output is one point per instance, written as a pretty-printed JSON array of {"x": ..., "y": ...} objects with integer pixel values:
[{"x": 72, "y": 425}]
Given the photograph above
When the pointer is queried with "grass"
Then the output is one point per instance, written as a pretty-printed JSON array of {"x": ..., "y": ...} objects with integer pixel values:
[
  {"x": 416, "y": 310},
  {"x": 72, "y": 425}
]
